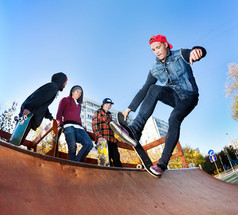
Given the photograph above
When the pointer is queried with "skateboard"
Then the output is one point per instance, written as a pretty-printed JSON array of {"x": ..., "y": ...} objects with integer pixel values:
[
  {"x": 103, "y": 158},
  {"x": 145, "y": 160},
  {"x": 117, "y": 137},
  {"x": 20, "y": 129}
]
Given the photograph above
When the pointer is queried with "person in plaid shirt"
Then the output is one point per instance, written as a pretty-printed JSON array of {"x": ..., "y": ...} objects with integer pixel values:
[{"x": 102, "y": 130}]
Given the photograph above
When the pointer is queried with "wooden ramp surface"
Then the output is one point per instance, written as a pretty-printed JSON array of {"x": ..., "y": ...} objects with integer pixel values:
[{"x": 31, "y": 183}]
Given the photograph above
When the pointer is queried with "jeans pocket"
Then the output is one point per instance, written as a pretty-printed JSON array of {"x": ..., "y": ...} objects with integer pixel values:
[{"x": 68, "y": 130}]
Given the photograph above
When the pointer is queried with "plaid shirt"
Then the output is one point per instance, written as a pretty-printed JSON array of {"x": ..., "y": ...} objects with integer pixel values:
[{"x": 101, "y": 127}]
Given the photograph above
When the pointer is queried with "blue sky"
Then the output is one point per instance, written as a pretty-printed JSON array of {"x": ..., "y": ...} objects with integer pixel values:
[{"x": 103, "y": 46}]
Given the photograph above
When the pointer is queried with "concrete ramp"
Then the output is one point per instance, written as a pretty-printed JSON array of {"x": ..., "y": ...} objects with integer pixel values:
[{"x": 31, "y": 183}]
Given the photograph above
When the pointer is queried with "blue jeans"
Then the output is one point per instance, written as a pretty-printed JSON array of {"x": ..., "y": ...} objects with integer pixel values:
[
  {"x": 181, "y": 109},
  {"x": 73, "y": 135}
]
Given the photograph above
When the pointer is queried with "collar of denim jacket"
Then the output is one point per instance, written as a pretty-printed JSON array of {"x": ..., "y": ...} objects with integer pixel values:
[{"x": 168, "y": 54}]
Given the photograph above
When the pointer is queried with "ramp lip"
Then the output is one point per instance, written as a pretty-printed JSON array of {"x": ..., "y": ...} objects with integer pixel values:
[
  {"x": 60, "y": 160},
  {"x": 193, "y": 168},
  {"x": 74, "y": 163}
]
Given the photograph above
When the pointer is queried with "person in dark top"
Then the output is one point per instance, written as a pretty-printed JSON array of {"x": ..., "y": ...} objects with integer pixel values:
[
  {"x": 68, "y": 116},
  {"x": 101, "y": 119},
  {"x": 38, "y": 102},
  {"x": 177, "y": 89}
]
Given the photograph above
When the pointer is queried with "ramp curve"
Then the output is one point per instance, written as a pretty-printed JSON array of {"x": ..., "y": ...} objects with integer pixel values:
[{"x": 31, "y": 183}]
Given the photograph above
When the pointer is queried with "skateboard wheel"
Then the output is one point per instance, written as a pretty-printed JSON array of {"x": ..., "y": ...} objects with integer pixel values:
[
  {"x": 25, "y": 117},
  {"x": 138, "y": 166},
  {"x": 53, "y": 134}
]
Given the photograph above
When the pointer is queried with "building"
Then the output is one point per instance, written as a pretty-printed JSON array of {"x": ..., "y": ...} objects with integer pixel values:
[
  {"x": 234, "y": 144},
  {"x": 153, "y": 130},
  {"x": 87, "y": 112}
]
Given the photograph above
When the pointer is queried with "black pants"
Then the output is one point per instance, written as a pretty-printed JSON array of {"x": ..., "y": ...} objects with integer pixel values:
[
  {"x": 114, "y": 154},
  {"x": 181, "y": 108}
]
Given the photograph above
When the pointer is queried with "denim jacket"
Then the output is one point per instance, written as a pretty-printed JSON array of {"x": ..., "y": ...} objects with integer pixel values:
[{"x": 175, "y": 72}]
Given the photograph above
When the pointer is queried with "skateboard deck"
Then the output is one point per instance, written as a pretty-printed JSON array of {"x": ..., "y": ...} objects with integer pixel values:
[
  {"x": 103, "y": 158},
  {"x": 145, "y": 160},
  {"x": 20, "y": 129}
]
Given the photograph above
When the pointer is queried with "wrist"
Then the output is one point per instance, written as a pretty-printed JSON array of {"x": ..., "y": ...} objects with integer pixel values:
[{"x": 128, "y": 110}]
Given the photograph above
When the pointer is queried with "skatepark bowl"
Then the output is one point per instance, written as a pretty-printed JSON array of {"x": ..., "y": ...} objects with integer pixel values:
[{"x": 35, "y": 184}]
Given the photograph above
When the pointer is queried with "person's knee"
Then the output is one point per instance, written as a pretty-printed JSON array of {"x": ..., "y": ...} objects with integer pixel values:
[
  {"x": 72, "y": 148},
  {"x": 154, "y": 88},
  {"x": 155, "y": 91},
  {"x": 174, "y": 120},
  {"x": 89, "y": 145}
]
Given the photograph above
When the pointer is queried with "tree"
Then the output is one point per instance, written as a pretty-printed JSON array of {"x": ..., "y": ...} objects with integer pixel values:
[
  {"x": 6, "y": 118},
  {"x": 221, "y": 162},
  {"x": 232, "y": 88},
  {"x": 45, "y": 145},
  {"x": 191, "y": 156},
  {"x": 208, "y": 166},
  {"x": 128, "y": 156}
]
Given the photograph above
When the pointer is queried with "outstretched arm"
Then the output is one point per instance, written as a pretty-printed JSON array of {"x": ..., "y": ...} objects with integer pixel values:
[
  {"x": 48, "y": 115},
  {"x": 151, "y": 80},
  {"x": 140, "y": 95}
]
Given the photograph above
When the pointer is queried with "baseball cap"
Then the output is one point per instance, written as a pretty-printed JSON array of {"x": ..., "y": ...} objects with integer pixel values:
[
  {"x": 159, "y": 38},
  {"x": 107, "y": 100}
]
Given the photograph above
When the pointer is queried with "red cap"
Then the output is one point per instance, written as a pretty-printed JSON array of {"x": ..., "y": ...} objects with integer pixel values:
[
  {"x": 159, "y": 38},
  {"x": 66, "y": 79}
]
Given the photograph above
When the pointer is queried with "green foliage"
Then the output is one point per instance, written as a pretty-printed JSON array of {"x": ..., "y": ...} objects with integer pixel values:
[
  {"x": 222, "y": 160},
  {"x": 6, "y": 118},
  {"x": 175, "y": 163},
  {"x": 191, "y": 156},
  {"x": 155, "y": 153},
  {"x": 128, "y": 156},
  {"x": 46, "y": 144},
  {"x": 208, "y": 166}
]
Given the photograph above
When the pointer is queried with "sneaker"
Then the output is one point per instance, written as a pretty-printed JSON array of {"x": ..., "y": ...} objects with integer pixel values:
[
  {"x": 156, "y": 170},
  {"x": 123, "y": 124},
  {"x": 124, "y": 133}
]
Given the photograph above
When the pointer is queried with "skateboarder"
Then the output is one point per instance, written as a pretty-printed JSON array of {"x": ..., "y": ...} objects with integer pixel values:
[
  {"x": 101, "y": 129},
  {"x": 177, "y": 89},
  {"x": 68, "y": 116},
  {"x": 38, "y": 102}
]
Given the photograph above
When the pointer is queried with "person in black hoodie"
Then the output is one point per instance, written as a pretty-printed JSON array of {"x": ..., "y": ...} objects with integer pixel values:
[{"x": 38, "y": 102}]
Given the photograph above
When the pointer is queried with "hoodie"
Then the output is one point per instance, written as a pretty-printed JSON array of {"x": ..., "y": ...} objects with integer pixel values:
[{"x": 38, "y": 102}]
